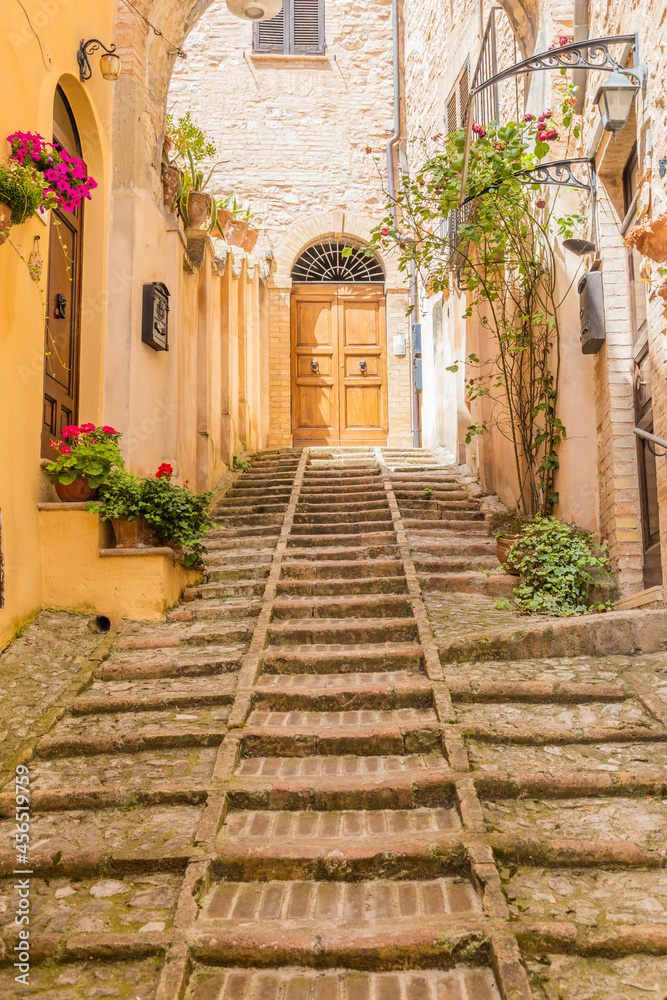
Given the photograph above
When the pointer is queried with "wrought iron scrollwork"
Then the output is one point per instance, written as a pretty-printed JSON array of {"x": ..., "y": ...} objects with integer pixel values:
[{"x": 557, "y": 172}]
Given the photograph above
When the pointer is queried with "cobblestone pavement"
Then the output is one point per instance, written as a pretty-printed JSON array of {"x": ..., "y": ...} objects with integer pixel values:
[{"x": 305, "y": 785}]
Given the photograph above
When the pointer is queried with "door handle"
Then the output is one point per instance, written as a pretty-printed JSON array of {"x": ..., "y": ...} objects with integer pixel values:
[
  {"x": 315, "y": 366},
  {"x": 60, "y": 312},
  {"x": 363, "y": 366}
]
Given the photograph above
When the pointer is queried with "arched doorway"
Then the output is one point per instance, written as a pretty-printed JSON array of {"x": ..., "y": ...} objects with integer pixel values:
[
  {"x": 339, "y": 362},
  {"x": 62, "y": 333}
]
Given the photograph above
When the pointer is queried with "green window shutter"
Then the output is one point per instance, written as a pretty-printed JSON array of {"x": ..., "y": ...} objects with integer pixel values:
[
  {"x": 272, "y": 35},
  {"x": 307, "y": 30}
]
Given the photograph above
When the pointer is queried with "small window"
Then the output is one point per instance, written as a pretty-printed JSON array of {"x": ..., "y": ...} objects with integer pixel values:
[
  {"x": 457, "y": 103},
  {"x": 297, "y": 30}
]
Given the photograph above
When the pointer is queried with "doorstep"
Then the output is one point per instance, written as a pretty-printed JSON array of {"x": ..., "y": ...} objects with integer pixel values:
[
  {"x": 650, "y": 598},
  {"x": 81, "y": 571}
]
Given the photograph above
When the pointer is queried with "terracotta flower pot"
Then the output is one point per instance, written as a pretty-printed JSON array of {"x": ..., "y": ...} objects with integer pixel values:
[
  {"x": 135, "y": 534},
  {"x": 650, "y": 238},
  {"x": 199, "y": 209},
  {"x": 75, "y": 492},
  {"x": 5, "y": 220},
  {"x": 171, "y": 178},
  {"x": 240, "y": 234},
  {"x": 503, "y": 547}
]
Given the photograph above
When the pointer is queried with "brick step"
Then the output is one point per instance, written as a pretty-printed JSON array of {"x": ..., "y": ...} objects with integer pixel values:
[
  {"x": 444, "y": 524},
  {"x": 132, "y": 731},
  {"x": 344, "y": 692},
  {"x": 350, "y": 569},
  {"x": 231, "y": 550},
  {"x": 344, "y": 553},
  {"x": 347, "y": 766},
  {"x": 223, "y": 609},
  {"x": 442, "y": 495},
  {"x": 337, "y": 529},
  {"x": 363, "y": 741},
  {"x": 347, "y": 631},
  {"x": 243, "y": 534},
  {"x": 467, "y": 545},
  {"x": 351, "y": 495},
  {"x": 342, "y": 587},
  {"x": 363, "y": 904},
  {"x": 536, "y": 692},
  {"x": 417, "y": 479},
  {"x": 434, "y": 505},
  {"x": 239, "y": 571},
  {"x": 234, "y": 509},
  {"x": 237, "y": 588},
  {"x": 243, "y": 492},
  {"x": 303, "y": 720},
  {"x": 202, "y": 666},
  {"x": 498, "y": 585},
  {"x": 435, "y": 512},
  {"x": 196, "y": 635},
  {"x": 337, "y": 520},
  {"x": 247, "y": 520},
  {"x": 341, "y": 476},
  {"x": 325, "y": 660},
  {"x": 328, "y": 505},
  {"x": 376, "y": 606},
  {"x": 150, "y": 696},
  {"x": 454, "y": 564}
]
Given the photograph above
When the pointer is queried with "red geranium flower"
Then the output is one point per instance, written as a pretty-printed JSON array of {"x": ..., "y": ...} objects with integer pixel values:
[
  {"x": 164, "y": 471},
  {"x": 66, "y": 450},
  {"x": 87, "y": 428},
  {"x": 109, "y": 430},
  {"x": 71, "y": 431}
]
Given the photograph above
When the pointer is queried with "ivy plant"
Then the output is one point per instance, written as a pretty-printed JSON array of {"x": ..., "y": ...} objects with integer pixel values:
[
  {"x": 501, "y": 254},
  {"x": 175, "y": 512},
  {"x": 558, "y": 563}
]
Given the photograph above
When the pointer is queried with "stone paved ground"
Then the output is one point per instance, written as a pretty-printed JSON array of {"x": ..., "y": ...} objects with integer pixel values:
[{"x": 337, "y": 772}]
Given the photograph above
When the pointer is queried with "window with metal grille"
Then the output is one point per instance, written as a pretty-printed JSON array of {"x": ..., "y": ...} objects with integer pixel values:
[
  {"x": 297, "y": 30},
  {"x": 325, "y": 262},
  {"x": 456, "y": 110}
]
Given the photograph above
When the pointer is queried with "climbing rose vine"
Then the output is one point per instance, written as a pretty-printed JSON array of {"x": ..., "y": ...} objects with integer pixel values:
[
  {"x": 67, "y": 182},
  {"x": 500, "y": 253}
]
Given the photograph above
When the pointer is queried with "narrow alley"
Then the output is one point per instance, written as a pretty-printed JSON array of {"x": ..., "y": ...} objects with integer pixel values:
[{"x": 296, "y": 788}]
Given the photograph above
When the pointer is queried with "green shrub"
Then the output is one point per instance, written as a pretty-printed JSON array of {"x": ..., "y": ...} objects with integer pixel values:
[
  {"x": 22, "y": 189},
  {"x": 557, "y": 562},
  {"x": 175, "y": 512}
]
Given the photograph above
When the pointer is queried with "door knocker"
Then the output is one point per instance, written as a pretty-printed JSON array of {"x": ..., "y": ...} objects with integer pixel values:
[
  {"x": 60, "y": 312},
  {"x": 315, "y": 366},
  {"x": 363, "y": 366}
]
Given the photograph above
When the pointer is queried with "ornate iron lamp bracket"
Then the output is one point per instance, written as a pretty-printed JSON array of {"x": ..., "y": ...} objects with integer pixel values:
[
  {"x": 557, "y": 172},
  {"x": 86, "y": 49}
]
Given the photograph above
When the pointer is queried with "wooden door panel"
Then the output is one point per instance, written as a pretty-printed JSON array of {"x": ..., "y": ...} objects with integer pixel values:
[
  {"x": 363, "y": 407},
  {"x": 314, "y": 366},
  {"x": 363, "y": 391}
]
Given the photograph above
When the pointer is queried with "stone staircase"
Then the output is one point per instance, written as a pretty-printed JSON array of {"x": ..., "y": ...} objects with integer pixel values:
[{"x": 290, "y": 789}]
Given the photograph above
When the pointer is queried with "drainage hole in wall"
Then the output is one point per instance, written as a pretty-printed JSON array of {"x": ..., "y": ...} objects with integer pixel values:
[{"x": 100, "y": 624}]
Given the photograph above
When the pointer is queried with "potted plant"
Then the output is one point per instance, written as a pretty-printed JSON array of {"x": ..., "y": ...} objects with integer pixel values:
[
  {"x": 196, "y": 205},
  {"x": 85, "y": 459},
  {"x": 21, "y": 196},
  {"x": 506, "y": 526},
  {"x": 235, "y": 225},
  {"x": 66, "y": 181},
  {"x": 191, "y": 146},
  {"x": 650, "y": 238},
  {"x": 150, "y": 511}
]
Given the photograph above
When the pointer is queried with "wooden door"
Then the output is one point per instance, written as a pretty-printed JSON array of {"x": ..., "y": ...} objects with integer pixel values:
[
  {"x": 315, "y": 365},
  {"x": 339, "y": 385},
  {"x": 362, "y": 365},
  {"x": 63, "y": 304}
]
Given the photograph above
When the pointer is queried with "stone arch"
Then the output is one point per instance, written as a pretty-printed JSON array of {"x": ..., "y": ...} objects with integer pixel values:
[
  {"x": 340, "y": 224},
  {"x": 524, "y": 17}
]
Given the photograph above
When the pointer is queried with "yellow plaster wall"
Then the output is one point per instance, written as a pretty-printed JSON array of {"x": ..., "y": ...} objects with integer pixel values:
[
  {"x": 76, "y": 577},
  {"x": 29, "y": 75}
]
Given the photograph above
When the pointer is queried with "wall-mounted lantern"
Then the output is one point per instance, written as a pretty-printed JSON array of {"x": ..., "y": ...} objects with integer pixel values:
[
  {"x": 155, "y": 317},
  {"x": 109, "y": 61},
  {"x": 614, "y": 100}
]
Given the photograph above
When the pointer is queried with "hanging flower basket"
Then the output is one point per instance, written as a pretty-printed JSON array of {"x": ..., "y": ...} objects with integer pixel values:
[{"x": 650, "y": 238}]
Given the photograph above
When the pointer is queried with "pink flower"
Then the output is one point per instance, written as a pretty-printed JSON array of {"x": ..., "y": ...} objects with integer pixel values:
[
  {"x": 87, "y": 428},
  {"x": 65, "y": 450},
  {"x": 548, "y": 113},
  {"x": 541, "y": 203},
  {"x": 71, "y": 431},
  {"x": 164, "y": 471},
  {"x": 563, "y": 40},
  {"x": 109, "y": 430},
  {"x": 384, "y": 231},
  {"x": 499, "y": 146},
  {"x": 542, "y": 136},
  {"x": 529, "y": 118},
  {"x": 552, "y": 134}
]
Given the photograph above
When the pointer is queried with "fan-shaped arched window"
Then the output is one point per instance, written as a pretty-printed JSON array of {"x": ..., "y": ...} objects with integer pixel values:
[{"x": 325, "y": 262}]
